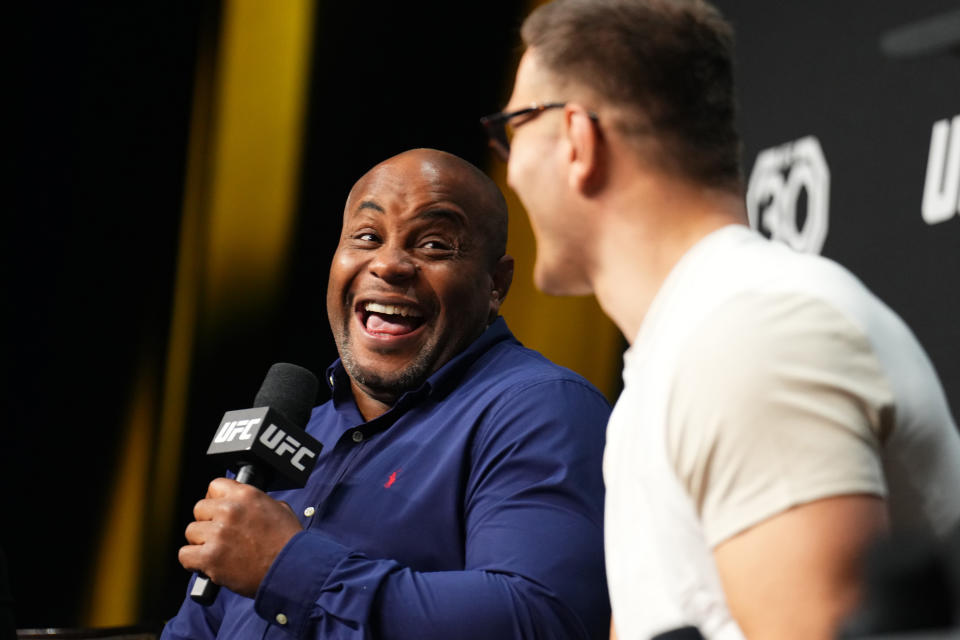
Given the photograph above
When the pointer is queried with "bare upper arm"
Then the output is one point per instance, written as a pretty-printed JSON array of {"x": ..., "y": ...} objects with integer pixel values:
[
  {"x": 775, "y": 430},
  {"x": 797, "y": 574}
]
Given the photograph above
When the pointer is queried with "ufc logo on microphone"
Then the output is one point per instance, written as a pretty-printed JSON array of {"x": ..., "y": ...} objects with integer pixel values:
[
  {"x": 236, "y": 430},
  {"x": 282, "y": 443}
]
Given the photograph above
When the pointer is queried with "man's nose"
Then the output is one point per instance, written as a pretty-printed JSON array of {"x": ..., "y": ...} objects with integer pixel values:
[{"x": 392, "y": 264}]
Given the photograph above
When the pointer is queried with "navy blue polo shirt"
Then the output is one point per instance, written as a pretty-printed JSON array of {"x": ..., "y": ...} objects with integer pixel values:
[{"x": 471, "y": 509}]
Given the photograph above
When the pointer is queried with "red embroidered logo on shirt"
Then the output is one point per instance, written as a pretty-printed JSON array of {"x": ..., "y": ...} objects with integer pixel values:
[{"x": 393, "y": 478}]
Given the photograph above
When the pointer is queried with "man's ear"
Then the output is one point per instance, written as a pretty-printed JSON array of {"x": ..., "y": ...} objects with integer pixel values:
[
  {"x": 501, "y": 277},
  {"x": 586, "y": 150}
]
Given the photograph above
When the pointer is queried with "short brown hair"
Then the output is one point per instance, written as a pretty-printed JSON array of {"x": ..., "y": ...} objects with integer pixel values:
[{"x": 669, "y": 63}]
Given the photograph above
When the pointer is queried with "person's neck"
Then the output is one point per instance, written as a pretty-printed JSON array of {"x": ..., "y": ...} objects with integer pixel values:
[
  {"x": 371, "y": 404},
  {"x": 648, "y": 226}
]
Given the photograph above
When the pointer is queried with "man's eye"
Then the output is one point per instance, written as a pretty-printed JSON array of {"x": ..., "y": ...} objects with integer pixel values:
[
  {"x": 436, "y": 245},
  {"x": 366, "y": 236}
]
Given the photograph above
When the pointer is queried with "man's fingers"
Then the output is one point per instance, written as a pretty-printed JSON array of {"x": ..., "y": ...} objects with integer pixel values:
[
  {"x": 213, "y": 509},
  {"x": 202, "y": 548},
  {"x": 194, "y": 558},
  {"x": 289, "y": 508},
  {"x": 203, "y": 510},
  {"x": 224, "y": 497},
  {"x": 220, "y": 487},
  {"x": 199, "y": 532},
  {"x": 189, "y": 557}
]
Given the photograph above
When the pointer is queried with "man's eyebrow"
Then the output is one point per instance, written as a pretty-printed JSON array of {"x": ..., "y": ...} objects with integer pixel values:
[
  {"x": 441, "y": 213},
  {"x": 369, "y": 204}
]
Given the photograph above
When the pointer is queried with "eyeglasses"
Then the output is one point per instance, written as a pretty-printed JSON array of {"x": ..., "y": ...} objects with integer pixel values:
[{"x": 500, "y": 131}]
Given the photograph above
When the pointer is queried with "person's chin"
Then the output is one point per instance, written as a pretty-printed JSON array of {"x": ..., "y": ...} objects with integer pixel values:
[
  {"x": 384, "y": 365},
  {"x": 388, "y": 356},
  {"x": 392, "y": 374}
]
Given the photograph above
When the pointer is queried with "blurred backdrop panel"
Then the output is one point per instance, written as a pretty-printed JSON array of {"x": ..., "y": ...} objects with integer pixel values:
[
  {"x": 102, "y": 95},
  {"x": 845, "y": 113},
  {"x": 179, "y": 174}
]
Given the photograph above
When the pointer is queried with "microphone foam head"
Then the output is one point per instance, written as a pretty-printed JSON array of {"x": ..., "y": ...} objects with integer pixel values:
[{"x": 291, "y": 390}]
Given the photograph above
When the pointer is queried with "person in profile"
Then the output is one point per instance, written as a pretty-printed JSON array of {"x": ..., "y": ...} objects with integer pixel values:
[{"x": 776, "y": 416}]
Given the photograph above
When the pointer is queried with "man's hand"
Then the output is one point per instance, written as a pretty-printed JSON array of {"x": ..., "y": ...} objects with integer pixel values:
[{"x": 238, "y": 532}]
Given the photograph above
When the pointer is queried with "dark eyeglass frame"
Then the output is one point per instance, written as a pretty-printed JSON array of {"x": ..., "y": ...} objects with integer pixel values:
[{"x": 495, "y": 124}]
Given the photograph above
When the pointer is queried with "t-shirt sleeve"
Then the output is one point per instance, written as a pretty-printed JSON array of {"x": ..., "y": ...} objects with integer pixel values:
[{"x": 778, "y": 400}]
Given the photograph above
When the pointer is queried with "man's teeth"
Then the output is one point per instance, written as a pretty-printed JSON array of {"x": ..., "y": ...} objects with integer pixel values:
[{"x": 391, "y": 309}]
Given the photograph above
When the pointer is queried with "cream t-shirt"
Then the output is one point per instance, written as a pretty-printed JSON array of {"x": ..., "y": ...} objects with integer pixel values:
[{"x": 761, "y": 379}]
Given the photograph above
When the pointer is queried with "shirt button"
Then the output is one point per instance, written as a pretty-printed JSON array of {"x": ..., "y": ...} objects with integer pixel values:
[
  {"x": 357, "y": 436},
  {"x": 331, "y": 379},
  {"x": 281, "y": 619},
  {"x": 309, "y": 511}
]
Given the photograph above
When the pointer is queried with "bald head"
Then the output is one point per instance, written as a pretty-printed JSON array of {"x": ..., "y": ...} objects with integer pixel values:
[
  {"x": 419, "y": 274},
  {"x": 473, "y": 189}
]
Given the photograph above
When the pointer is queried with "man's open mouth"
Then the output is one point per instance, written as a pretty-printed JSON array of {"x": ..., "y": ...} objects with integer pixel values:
[{"x": 389, "y": 319}]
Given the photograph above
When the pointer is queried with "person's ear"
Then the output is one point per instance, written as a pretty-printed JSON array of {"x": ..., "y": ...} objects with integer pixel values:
[
  {"x": 501, "y": 278},
  {"x": 586, "y": 148}
]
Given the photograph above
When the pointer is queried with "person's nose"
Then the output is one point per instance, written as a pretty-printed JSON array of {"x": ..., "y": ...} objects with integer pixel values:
[{"x": 393, "y": 264}]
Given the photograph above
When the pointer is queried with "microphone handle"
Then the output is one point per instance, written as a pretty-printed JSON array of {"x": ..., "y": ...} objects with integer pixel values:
[{"x": 204, "y": 590}]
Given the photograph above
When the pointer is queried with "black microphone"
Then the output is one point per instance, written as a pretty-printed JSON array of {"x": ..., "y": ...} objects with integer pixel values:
[{"x": 267, "y": 446}]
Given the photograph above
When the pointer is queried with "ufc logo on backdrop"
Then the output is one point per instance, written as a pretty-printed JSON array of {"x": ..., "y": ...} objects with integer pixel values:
[
  {"x": 941, "y": 189},
  {"x": 788, "y": 196}
]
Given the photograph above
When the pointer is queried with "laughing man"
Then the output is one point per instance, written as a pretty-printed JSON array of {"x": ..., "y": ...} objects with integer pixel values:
[{"x": 459, "y": 492}]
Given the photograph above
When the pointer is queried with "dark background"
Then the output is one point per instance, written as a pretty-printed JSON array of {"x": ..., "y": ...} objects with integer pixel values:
[
  {"x": 103, "y": 96},
  {"x": 102, "y": 99}
]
